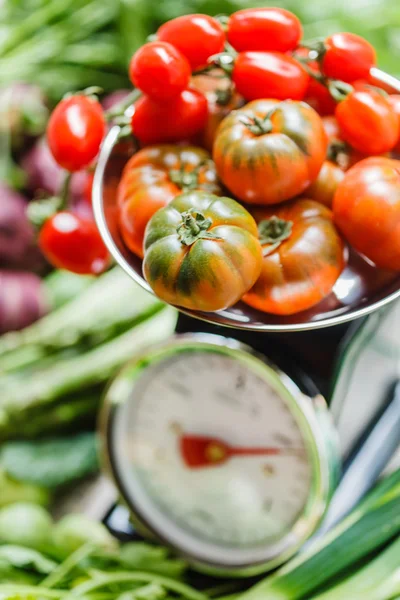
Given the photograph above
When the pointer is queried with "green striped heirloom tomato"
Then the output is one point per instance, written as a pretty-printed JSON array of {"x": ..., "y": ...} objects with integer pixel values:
[
  {"x": 202, "y": 252},
  {"x": 270, "y": 151}
]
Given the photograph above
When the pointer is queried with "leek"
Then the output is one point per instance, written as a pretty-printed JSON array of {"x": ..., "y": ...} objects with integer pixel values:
[
  {"x": 367, "y": 529},
  {"x": 378, "y": 580}
]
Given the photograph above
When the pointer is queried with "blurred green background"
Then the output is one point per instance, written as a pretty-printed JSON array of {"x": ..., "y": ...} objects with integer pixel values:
[{"x": 70, "y": 44}]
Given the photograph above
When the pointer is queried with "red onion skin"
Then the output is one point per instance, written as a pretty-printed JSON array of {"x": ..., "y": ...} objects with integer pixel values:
[{"x": 22, "y": 300}]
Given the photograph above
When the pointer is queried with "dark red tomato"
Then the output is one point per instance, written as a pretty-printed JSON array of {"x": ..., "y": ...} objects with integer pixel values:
[
  {"x": 197, "y": 36},
  {"x": 319, "y": 97},
  {"x": 75, "y": 131},
  {"x": 72, "y": 243},
  {"x": 368, "y": 122},
  {"x": 259, "y": 75},
  {"x": 366, "y": 208},
  {"x": 264, "y": 29},
  {"x": 159, "y": 70},
  {"x": 394, "y": 100},
  {"x": 348, "y": 57},
  {"x": 173, "y": 121}
]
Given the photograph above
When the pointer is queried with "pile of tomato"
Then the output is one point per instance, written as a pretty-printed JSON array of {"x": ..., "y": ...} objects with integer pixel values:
[{"x": 261, "y": 159}]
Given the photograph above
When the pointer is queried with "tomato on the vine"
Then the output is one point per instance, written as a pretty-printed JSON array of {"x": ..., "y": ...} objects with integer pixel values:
[
  {"x": 258, "y": 75},
  {"x": 75, "y": 131},
  {"x": 270, "y": 151},
  {"x": 324, "y": 187},
  {"x": 302, "y": 257},
  {"x": 197, "y": 36},
  {"x": 202, "y": 252},
  {"x": 222, "y": 98},
  {"x": 263, "y": 29},
  {"x": 152, "y": 178},
  {"x": 73, "y": 243},
  {"x": 178, "y": 119},
  {"x": 159, "y": 70},
  {"x": 366, "y": 209},
  {"x": 347, "y": 57},
  {"x": 368, "y": 122}
]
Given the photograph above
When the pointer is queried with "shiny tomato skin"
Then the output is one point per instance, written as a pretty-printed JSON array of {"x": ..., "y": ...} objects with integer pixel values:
[
  {"x": 264, "y": 29},
  {"x": 146, "y": 185},
  {"x": 324, "y": 187},
  {"x": 259, "y": 75},
  {"x": 73, "y": 243},
  {"x": 75, "y": 131},
  {"x": 209, "y": 274},
  {"x": 162, "y": 122},
  {"x": 197, "y": 37},
  {"x": 394, "y": 100},
  {"x": 159, "y": 70},
  {"x": 366, "y": 209},
  {"x": 218, "y": 109},
  {"x": 271, "y": 167},
  {"x": 368, "y": 122},
  {"x": 304, "y": 268},
  {"x": 348, "y": 57}
]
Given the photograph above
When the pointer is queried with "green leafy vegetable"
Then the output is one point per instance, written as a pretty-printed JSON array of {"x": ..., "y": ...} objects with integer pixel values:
[
  {"x": 51, "y": 463},
  {"x": 75, "y": 530},
  {"x": 25, "y": 558},
  {"x": 25, "y": 524},
  {"x": 14, "y": 491}
]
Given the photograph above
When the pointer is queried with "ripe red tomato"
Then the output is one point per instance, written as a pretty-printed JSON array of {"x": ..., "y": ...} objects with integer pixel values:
[
  {"x": 260, "y": 75},
  {"x": 159, "y": 70},
  {"x": 368, "y": 122},
  {"x": 302, "y": 257},
  {"x": 264, "y": 29},
  {"x": 394, "y": 100},
  {"x": 73, "y": 243},
  {"x": 197, "y": 36},
  {"x": 366, "y": 209},
  {"x": 75, "y": 131},
  {"x": 319, "y": 97},
  {"x": 152, "y": 178},
  {"x": 270, "y": 151},
  {"x": 173, "y": 121},
  {"x": 347, "y": 57}
]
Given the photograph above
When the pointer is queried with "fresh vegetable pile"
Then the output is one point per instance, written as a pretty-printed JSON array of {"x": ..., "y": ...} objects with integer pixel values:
[
  {"x": 262, "y": 159},
  {"x": 78, "y": 558}
]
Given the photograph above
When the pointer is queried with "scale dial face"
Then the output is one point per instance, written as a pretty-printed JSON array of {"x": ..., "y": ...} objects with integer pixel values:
[{"x": 215, "y": 454}]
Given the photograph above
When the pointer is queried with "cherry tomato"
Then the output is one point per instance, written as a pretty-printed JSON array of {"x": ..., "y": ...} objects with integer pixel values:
[
  {"x": 324, "y": 187},
  {"x": 197, "y": 36},
  {"x": 394, "y": 101},
  {"x": 202, "y": 252},
  {"x": 75, "y": 131},
  {"x": 72, "y": 243},
  {"x": 319, "y": 97},
  {"x": 152, "y": 178},
  {"x": 221, "y": 98},
  {"x": 368, "y": 122},
  {"x": 159, "y": 70},
  {"x": 303, "y": 257},
  {"x": 347, "y": 57},
  {"x": 264, "y": 29},
  {"x": 366, "y": 209},
  {"x": 269, "y": 75},
  {"x": 270, "y": 151},
  {"x": 173, "y": 121}
]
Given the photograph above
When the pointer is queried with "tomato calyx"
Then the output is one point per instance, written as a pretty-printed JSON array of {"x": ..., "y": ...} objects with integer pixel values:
[
  {"x": 42, "y": 209},
  {"x": 258, "y": 125},
  {"x": 224, "y": 96},
  {"x": 194, "y": 226},
  {"x": 272, "y": 232}
]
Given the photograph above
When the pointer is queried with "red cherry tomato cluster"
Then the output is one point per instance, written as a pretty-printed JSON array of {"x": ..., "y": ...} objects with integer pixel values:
[{"x": 295, "y": 130}]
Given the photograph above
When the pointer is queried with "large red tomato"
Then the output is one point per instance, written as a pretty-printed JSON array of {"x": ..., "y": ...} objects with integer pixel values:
[
  {"x": 152, "y": 178},
  {"x": 270, "y": 151},
  {"x": 303, "y": 257},
  {"x": 366, "y": 209}
]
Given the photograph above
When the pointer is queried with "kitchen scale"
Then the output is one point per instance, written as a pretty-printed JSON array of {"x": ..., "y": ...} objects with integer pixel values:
[{"x": 220, "y": 441}]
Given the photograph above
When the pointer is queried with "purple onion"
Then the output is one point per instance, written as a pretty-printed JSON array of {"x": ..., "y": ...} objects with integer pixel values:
[{"x": 22, "y": 300}]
